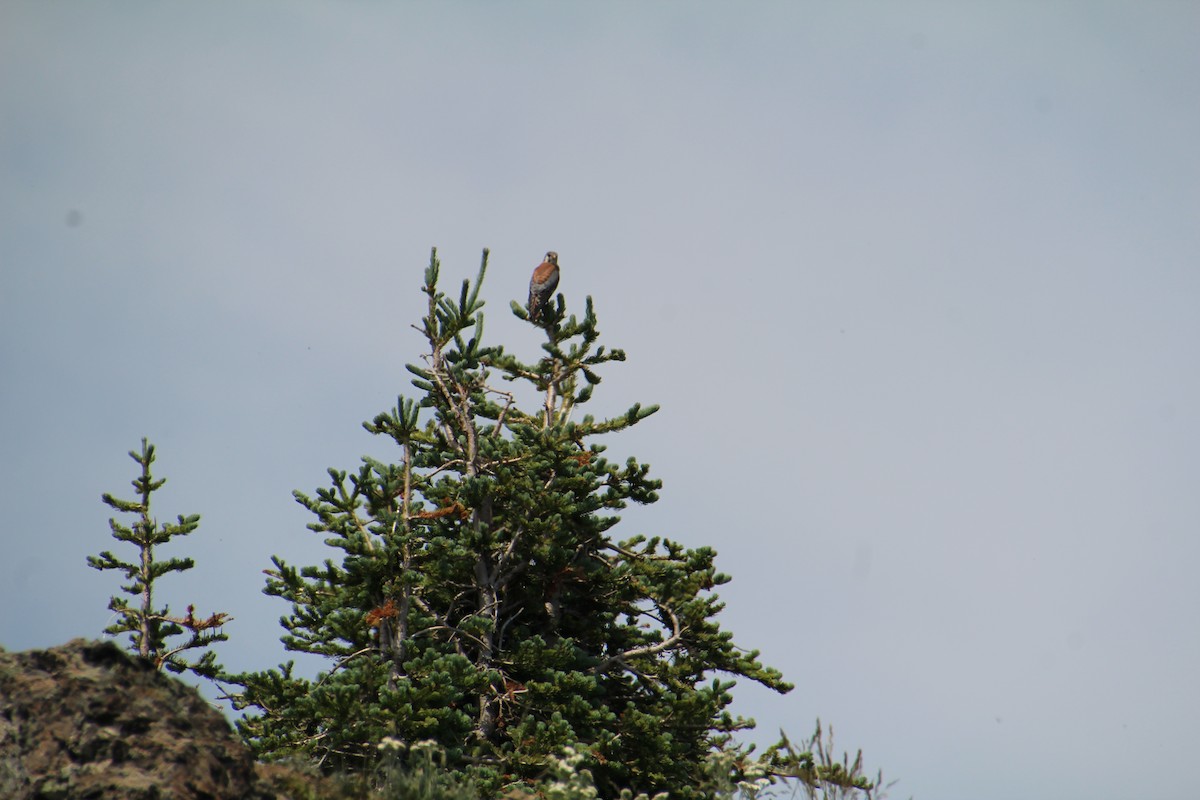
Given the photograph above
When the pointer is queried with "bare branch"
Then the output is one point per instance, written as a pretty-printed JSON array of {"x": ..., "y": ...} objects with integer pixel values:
[
  {"x": 632, "y": 555},
  {"x": 341, "y": 664},
  {"x": 650, "y": 649}
]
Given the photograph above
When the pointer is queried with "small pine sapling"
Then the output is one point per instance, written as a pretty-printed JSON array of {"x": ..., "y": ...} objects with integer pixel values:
[{"x": 153, "y": 632}]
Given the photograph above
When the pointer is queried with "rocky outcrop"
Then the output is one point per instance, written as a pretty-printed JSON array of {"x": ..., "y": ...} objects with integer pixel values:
[{"x": 86, "y": 720}]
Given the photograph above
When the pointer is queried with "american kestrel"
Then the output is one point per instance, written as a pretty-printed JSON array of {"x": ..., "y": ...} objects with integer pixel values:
[{"x": 542, "y": 285}]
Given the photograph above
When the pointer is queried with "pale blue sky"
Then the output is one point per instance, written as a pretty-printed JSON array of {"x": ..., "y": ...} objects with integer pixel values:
[{"x": 916, "y": 284}]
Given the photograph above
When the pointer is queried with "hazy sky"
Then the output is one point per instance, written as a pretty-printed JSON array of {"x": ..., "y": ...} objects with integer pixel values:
[{"x": 916, "y": 284}]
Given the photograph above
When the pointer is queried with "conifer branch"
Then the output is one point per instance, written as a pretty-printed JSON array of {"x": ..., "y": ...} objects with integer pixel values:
[
  {"x": 346, "y": 660},
  {"x": 650, "y": 649}
]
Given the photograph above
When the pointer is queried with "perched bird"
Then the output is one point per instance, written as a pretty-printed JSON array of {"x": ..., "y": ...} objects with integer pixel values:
[{"x": 542, "y": 285}]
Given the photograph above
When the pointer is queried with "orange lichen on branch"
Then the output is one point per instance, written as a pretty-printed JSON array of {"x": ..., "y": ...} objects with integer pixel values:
[
  {"x": 385, "y": 611},
  {"x": 562, "y": 576},
  {"x": 508, "y": 699},
  {"x": 192, "y": 623},
  {"x": 455, "y": 508}
]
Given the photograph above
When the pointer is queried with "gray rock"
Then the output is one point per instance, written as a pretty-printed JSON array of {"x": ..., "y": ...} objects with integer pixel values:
[{"x": 86, "y": 720}]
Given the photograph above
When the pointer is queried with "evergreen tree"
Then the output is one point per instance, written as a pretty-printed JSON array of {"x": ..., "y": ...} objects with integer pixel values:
[
  {"x": 478, "y": 600},
  {"x": 153, "y": 632}
]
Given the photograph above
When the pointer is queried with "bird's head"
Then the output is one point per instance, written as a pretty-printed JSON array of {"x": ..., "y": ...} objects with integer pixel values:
[{"x": 552, "y": 257}]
